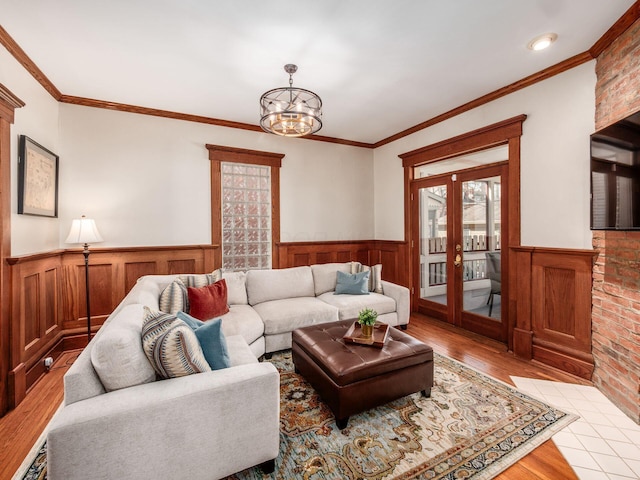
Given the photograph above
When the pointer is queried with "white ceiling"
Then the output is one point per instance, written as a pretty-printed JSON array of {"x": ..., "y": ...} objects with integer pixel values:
[{"x": 380, "y": 66}]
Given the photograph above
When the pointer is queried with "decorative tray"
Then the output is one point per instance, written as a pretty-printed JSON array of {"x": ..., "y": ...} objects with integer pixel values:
[{"x": 380, "y": 332}]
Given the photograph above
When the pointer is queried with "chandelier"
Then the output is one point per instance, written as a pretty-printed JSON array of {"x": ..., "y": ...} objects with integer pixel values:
[{"x": 289, "y": 111}]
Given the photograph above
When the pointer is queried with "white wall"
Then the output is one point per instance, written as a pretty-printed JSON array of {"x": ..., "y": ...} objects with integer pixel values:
[
  {"x": 554, "y": 159},
  {"x": 38, "y": 120},
  {"x": 145, "y": 180}
]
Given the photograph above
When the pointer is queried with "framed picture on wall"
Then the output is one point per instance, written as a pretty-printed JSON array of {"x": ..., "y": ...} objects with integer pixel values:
[{"x": 37, "y": 179}]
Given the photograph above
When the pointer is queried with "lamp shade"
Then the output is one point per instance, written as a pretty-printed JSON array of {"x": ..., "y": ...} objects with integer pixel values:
[{"x": 83, "y": 230}]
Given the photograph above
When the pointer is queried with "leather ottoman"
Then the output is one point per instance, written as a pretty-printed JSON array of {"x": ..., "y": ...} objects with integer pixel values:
[{"x": 352, "y": 378}]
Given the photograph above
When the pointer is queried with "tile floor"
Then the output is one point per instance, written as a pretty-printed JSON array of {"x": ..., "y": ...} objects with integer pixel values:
[{"x": 603, "y": 444}]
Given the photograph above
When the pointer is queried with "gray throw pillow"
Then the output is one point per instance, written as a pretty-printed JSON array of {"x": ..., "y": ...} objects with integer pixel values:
[{"x": 352, "y": 283}]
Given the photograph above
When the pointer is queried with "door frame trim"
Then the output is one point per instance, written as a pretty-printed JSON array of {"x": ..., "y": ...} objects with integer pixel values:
[{"x": 507, "y": 132}]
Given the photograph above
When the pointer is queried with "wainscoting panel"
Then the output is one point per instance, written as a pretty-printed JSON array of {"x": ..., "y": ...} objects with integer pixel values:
[
  {"x": 134, "y": 270},
  {"x": 392, "y": 256},
  {"x": 31, "y": 286},
  {"x": 51, "y": 299},
  {"x": 181, "y": 266},
  {"x": 553, "y": 309},
  {"x": 309, "y": 253}
]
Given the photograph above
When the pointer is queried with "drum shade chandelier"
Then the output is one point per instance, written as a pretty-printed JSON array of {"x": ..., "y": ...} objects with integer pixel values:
[{"x": 289, "y": 111}]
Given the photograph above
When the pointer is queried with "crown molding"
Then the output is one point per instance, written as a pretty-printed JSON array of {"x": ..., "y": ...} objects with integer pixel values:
[
  {"x": 24, "y": 60},
  {"x": 624, "y": 22}
]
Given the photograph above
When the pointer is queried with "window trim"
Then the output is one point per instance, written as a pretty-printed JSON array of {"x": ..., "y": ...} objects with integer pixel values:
[{"x": 219, "y": 154}]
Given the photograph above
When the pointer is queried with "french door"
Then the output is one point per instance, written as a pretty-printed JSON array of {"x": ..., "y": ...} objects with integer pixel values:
[{"x": 457, "y": 248}]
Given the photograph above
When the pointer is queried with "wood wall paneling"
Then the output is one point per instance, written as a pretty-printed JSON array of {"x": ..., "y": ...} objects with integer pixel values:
[
  {"x": 181, "y": 266},
  {"x": 51, "y": 299},
  {"x": 391, "y": 254},
  {"x": 134, "y": 270},
  {"x": 553, "y": 307},
  {"x": 31, "y": 306}
]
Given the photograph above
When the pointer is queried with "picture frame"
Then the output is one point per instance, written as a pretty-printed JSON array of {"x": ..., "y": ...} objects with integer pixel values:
[{"x": 37, "y": 179}]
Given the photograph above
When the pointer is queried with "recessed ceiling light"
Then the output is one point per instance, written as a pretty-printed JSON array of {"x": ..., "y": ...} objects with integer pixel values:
[{"x": 542, "y": 41}]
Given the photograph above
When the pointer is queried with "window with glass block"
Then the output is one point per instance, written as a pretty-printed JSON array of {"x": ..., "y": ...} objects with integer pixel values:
[{"x": 246, "y": 216}]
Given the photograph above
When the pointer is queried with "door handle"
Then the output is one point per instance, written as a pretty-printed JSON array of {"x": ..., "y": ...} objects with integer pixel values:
[{"x": 458, "y": 261}]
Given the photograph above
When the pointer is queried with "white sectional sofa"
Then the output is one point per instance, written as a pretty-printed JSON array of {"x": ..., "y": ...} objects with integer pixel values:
[{"x": 119, "y": 422}]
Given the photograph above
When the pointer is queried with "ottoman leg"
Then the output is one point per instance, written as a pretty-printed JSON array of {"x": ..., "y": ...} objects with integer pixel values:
[
  {"x": 342, "y": 423},
  {"x": 403, "y": 327},
  {"x": 426, "y": 393}
]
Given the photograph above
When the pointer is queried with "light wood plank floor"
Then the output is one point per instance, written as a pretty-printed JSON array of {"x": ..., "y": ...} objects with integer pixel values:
[{"x": 20, "y": 428}]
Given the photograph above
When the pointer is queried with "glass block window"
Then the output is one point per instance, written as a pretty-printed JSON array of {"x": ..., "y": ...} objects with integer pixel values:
[{"x": 246, "y": 216}]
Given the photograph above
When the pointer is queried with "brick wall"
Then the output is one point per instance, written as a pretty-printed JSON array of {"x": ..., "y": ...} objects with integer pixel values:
[
  {"x": 616, "y": 318},
  {"x": 616, "y": 275},
  {"x": 618, "y": 73}
]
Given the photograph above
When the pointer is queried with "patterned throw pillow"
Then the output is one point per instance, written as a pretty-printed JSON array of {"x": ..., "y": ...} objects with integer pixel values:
[
  {"x": 375, "y": 277},
  {"x": 171, "y": 345},
  {"x": 175, "y": 298}
]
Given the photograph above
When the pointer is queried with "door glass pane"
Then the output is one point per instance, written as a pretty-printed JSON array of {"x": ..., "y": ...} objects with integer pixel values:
[
  {"x": 481, "y": 231},
  {"x": 433, "y": 243}
]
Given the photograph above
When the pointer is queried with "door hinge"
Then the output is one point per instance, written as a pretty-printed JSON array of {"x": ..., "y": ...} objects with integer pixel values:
[{"x": 413, "y": 290}]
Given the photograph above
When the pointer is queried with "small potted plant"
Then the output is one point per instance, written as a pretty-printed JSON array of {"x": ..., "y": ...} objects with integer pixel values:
[{"x": 367, "y": 319}]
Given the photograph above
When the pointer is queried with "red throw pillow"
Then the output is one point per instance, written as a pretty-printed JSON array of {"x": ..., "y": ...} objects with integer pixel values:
[{"x": 209, "y": 301}]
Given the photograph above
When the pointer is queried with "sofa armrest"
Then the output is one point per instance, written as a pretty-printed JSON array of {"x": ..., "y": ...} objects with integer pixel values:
[
  {"x": 202, "y": 426},
  {"x": 401, "y": 295}
]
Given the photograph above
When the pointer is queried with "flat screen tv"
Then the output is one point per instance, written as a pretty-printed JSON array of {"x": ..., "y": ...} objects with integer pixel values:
[{"x": 615, "y": 176}]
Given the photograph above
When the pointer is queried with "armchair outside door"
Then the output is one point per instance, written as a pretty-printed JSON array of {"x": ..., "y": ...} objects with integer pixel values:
[{"x": 494, "y": 272}]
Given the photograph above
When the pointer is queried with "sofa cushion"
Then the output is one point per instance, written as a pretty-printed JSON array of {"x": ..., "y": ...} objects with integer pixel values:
[
  {"x": 243, "y": 320},
  {"x": 174, "y": 298},
  {"x": 352, "y": 283},
  {"x": 239, "y": 352},
  {"x": 277, "y": 284},
  {"x": 324, "y": 276},
  {"x": 171, "y": 346},
  {"x": 350, "y": 305},
  {"x": 236, "y": 288},
  {"x": 117, "y": 355},
  {"x": 212, "y": 340},
  {"x": 290, "y": 313},
  {"x": 209, "y": 301}
]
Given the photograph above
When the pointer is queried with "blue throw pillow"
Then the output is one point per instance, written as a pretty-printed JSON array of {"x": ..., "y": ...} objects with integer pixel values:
[
  {"x": 352, "y": 283},
  {"x": 211, "y": 338}
]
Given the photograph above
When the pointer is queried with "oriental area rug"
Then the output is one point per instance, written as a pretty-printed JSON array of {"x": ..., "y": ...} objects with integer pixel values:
[{"x": 472, "y": 427}]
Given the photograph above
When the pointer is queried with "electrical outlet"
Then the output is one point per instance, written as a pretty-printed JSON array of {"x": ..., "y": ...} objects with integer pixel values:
[{"x": 48, "y": 362}]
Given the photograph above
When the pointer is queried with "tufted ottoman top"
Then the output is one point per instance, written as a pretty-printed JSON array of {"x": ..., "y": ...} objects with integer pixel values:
[{"x": 347, "y": 363}]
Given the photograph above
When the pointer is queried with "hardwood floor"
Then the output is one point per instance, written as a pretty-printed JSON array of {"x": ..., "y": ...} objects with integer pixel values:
[
  {"x": 491, "y": 357},
  {"x": 20, "y": 428}
]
